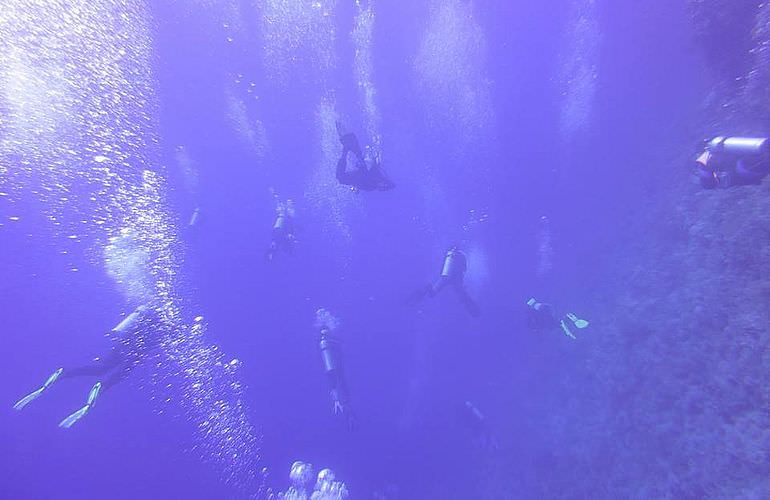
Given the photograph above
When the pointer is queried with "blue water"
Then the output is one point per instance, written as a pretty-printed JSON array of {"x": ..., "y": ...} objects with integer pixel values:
[{"x": 547, "y": 140}]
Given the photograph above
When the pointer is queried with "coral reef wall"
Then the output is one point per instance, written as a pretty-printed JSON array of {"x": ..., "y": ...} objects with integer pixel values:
[{"x": 670, "y": 397}]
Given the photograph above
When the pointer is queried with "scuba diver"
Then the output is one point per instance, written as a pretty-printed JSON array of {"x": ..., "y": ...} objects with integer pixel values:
[
  {"x": 543, "y": 316},
  {"x": 194, "y": 218},
  {"x": 132, "y": 338},
  {"x": 283, "y": 239},
  {"x": 331, "y": 355},
  {"x": 367, "y": 174},
  {"x": 477, "y": 423},
  {"x": 452, "y": 274},
  {"x": 733, "y": 161}
]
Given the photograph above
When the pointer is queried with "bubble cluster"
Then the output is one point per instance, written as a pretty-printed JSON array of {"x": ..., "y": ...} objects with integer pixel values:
[
  {"x": 76, "y": 98},
  {"x": 251, "y": 131},
  {"x": 127, "y": 263},
  {"x": 326, "y": 486},
  {"x": 363, "y": 70},
  {"x": 578, "y": 73},
  {"x": 475, "y": 218},
  {"x": 450, "y": 66},
  {"x": 323, "y": 194},
  {"x": 756, "y": 91},
  {"x": 198, "y": 375},
  {"x": 188, "y": 170},
  {"x": 283, "y": 208},
  {"x": 298, "y": 36},
  {"x": 77, "y": 131},
  {"x": 544, "y": 247},
  {"x": 325, "y": 319}
]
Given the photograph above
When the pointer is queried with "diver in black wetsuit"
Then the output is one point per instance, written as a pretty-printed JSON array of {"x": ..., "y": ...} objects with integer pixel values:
[
  {"x": 452, "y": 274},
  {"x": 283, "y": 239},
  {"x": 479, "y": 426},
  {"x": 542, "y": 316},
  {"x": 733, "y": 161},
  {"x": 331, "y": 354},
  {"x": 367, "y": 175},
  {"x": 133, "y": 339}
]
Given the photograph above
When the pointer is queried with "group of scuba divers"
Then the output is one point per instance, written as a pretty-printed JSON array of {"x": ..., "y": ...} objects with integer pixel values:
[{"x": 725, "y": 162}]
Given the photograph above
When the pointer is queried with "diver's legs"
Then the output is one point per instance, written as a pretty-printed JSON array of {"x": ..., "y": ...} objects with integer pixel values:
[
  {"x": 350, "y": 143},
  {"x": 340, "y": 398},
  {"x": 20, "y": 404},
  {"x": 92, "y": 395},
  {"x": 427, "y": 291},
  {"x": 118, "y": 375},
  {"x": 439, "y": 284},
  {"x": 98, "y": 366},
  {"x": 468, "y": 302},
  {"x": 342, "y": 165},
  {"x": 751, "y": 173},
  {"x": 121, "y": 366}
]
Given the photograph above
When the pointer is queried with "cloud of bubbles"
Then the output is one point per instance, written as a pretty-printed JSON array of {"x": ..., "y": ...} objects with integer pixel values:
[
  {"x": 78, "y": 106},
  {"x": 323, "y": 193},
  {"x": 127, "y": 262},
  {"x": 450, "y": 68},
  {"x": 579, "y": 69},
  {"x": 250, "y": 131},
  {"x": 298, "y": 36},
  {"x": 363, "y": 70}
]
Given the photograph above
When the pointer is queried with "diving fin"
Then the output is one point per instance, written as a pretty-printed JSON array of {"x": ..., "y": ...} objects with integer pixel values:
[
  {"x": 566, "y": 329},
  {"x": 20, "y": 404},
  {"x": 580, "y": 323},
  {"x": 70, "y": 421}
]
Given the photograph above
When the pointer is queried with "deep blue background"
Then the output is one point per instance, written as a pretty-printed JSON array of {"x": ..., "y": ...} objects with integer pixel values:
[{"x": 408, "y": 371}]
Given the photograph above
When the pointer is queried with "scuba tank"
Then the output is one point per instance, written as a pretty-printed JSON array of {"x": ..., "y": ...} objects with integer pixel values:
[
  {"x": 454, "y": 264},
  {"x": 130, "y": 320},
  {"x": 739, "y": 145},
  {"x": 194, "y": 217},
  {"x": 328, "y": 354}
]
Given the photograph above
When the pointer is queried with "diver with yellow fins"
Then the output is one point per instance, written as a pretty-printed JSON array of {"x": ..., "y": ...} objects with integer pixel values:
[
  {"x": 368, "y": 174},
  {"x": 132, "y": 339},
  {"x": 452, "y": 275},
  {"x": 733, "y": 161},
  {"x": 543, "y": 316}
]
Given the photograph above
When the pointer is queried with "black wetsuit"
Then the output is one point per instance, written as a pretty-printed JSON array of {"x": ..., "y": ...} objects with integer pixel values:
[
  {"x": 129, "y": 349},
  {"x": 543, "y": 318},
  {"x": 723, "y": 170},
  {"x": 283, "y": 236},
  {"x": 453, "y": 275},
  {"x": 332, "y": 359},
  {"x": 364, "y": 177}
]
